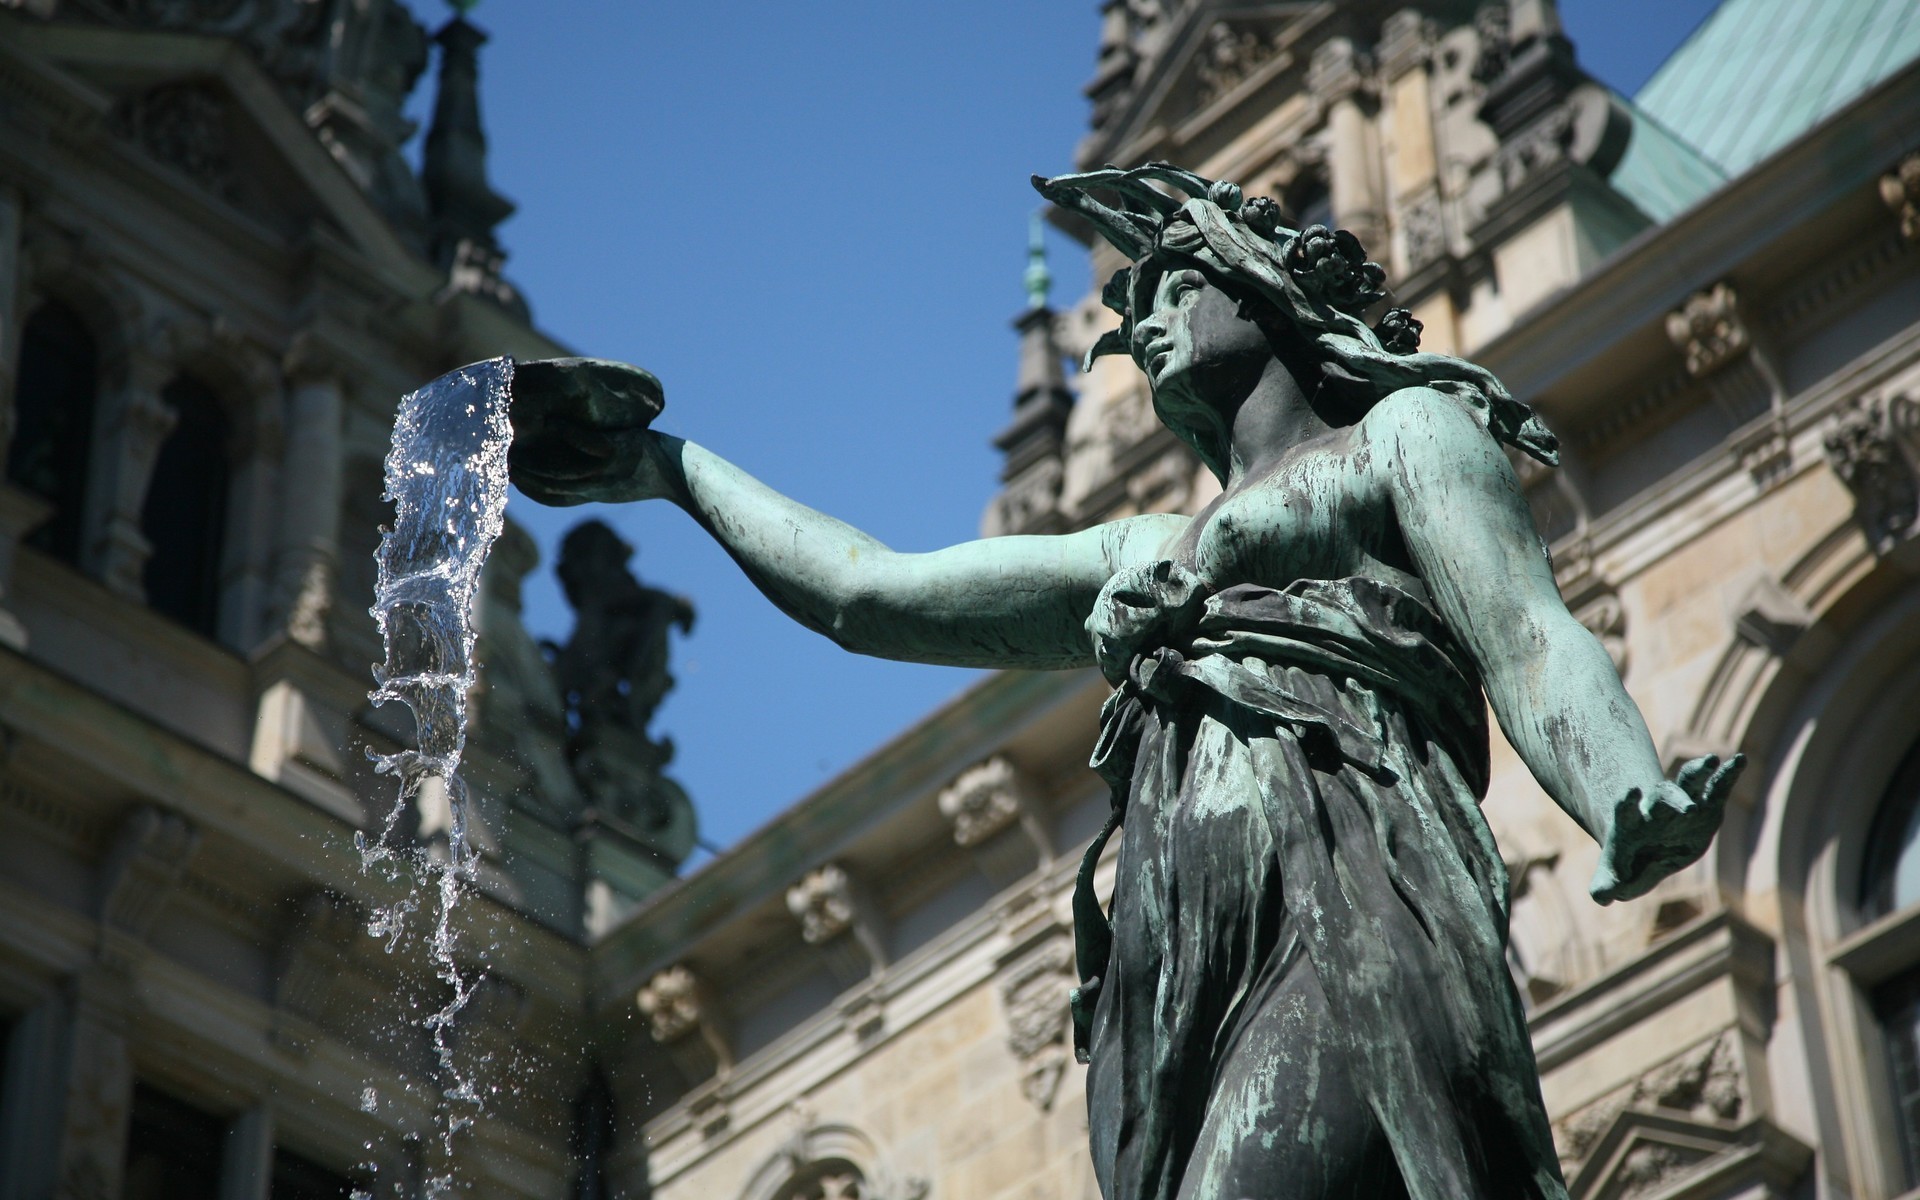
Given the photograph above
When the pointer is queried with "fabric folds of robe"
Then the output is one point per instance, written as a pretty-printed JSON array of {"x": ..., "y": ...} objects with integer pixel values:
[{"x": 1298, "y": 772}]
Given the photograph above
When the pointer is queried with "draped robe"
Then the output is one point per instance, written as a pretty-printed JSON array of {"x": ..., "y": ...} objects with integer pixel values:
[{"x": 1300, "y": 990}]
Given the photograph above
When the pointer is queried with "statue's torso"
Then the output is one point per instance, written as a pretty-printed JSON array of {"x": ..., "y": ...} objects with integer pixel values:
[{"x": 1320, "y": 513}]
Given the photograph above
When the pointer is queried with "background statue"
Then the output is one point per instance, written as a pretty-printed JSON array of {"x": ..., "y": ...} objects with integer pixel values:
[
  {"x": 612, "y": 674},
  {"x": 1300, "y": 989},
  {"x": 613, "y": 670}
]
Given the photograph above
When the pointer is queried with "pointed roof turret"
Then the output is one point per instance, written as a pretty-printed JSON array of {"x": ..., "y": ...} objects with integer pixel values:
[
  {"x": 1039, "y": 280},
  {"x": 1034, "y": 440},
  {"x": 463, "y": 207}
]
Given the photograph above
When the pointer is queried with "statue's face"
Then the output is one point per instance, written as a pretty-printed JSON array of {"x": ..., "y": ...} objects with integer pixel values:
[{"x": 1202, "y": 358}]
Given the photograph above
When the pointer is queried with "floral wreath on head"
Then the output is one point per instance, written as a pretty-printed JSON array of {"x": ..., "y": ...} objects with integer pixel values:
[{"x": 1316, "y": 277}]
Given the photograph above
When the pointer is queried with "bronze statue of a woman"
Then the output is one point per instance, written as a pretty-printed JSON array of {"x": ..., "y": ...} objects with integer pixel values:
[{"x": 1300, "y": 988}]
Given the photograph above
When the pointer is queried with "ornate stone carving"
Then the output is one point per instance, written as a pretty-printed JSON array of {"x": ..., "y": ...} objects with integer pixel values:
[
  {"x": 613, "y": 675},
  {"x": 1425, "y": 232},
  {"x": 1406, "y": 38},
  {"x": 982, "y": 801},
  {"x": 187, "y": 126},
  {"x": 1708, "y": 330},
  {"x": 1900, "y": 188},
  {"x": 148, "y": 860},
  {"x": 1871, "y": 446},
  {"x": 822, "y": 1161},
  {"x": 1705, "y": 1083},
  {"x": 1034, "y": 994},
  {"x": 1495, "y": 34},
  {"x": 308, "y": 961},
  {"x": 1228, "y": 57},
  {"x": 1770, "y": 617},
  {"x": 823, "y": 903},
  {"x": 674, "y": 1003}
]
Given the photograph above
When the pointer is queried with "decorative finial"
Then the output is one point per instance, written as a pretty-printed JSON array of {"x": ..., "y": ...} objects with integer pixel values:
[{"x": 1039, "y": 280}]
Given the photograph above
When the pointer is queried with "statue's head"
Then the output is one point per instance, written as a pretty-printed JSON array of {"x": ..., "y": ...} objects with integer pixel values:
[
  {"x": 593, "y": 558},
  {"x": 1218, "y": 287}
]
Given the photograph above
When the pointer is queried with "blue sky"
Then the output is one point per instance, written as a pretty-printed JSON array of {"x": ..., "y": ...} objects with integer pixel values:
[{"x": 810, "y": 222}]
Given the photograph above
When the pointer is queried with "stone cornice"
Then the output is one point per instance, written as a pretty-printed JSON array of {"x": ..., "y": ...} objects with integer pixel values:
[
  {"x": 904, "y": 773},
  {"x": 281, "y": 830},
  {"x": 1635, "y": 288}
]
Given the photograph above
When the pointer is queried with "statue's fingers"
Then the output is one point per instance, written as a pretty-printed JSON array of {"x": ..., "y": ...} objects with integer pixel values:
[
  {"x": 1720, "y": 786},
  {"x": 1692, "y": 774}
]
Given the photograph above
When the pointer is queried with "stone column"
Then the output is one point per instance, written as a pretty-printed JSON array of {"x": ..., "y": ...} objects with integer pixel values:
[
  {"x": 307, "y": 546},
  {"x": 12, "y": 297},
  {"x": 246, "y": 1166},
  {"x": 1338, "y": 78},
  {"x": 69, "y": 1090},
  {"x": 21, "y": 512},
  {"x": 126, "y": 446}
]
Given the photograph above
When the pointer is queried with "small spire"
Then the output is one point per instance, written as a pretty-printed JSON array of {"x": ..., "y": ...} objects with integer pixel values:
[
  {"x": 1039, "y": 280},
  {"x": 463, "y": 205}
]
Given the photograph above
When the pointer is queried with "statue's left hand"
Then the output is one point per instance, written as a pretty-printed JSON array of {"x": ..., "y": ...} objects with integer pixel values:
[
  {"x": 580, "y": 431},
  {"x": 1657, "y": 831}
]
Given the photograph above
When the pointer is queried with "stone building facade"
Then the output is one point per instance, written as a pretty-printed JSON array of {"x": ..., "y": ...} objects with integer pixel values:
[
  {"x": 218, "y": 274},
  {"x": 1711, "y": 292}
]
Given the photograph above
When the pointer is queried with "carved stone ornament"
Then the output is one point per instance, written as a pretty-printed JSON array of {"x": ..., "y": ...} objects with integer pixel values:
[
  {"x": 1425, "y": 232},
  {"x": 187, "y": 126},
  {"x": 1900, "y": 188},
  {"x": 1708, "y": 330},
  {"x": 1703, "y": 1084},
  {"x": 828, "y": 1161},
  {"x": 984, "y": 800},
  {"x": 1871, "y": 448},
  {"x": 1491, "y": 25},
  {"x": 823, "y": 903},
  {"x": 1229, "y": 57},
  {"x": 1034, "y": 993},
  {"x": 673, "y": 1002},
  {"x": 148, "y": 860},
  {"x": 308, "y": 962}
]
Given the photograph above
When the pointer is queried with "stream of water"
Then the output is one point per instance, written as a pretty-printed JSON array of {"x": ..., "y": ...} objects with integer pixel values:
[{"x": 447, "y": 478}]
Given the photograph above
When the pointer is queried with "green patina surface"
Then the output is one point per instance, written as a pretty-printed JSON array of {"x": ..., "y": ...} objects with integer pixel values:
[
  {"x": 1754, "y": 76},
  {"x": 1299, "y": 988}
]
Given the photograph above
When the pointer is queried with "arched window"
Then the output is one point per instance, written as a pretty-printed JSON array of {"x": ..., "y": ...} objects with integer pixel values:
[
  {"x": 1890, "y": 882},
  {"x": 186, "y": 509},
  {"x": 54, "y": 392},
  {"x": 833, "y": 1180}
]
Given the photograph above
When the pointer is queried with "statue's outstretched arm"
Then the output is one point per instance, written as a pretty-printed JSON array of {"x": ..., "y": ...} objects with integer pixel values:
[
  {"x": 1551, "y": 684},
  {"x": 581, "y": 434},
  {"x": 998, "y": 602}
]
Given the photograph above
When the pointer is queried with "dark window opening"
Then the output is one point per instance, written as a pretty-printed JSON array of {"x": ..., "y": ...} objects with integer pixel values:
[
  {"x": 54, "y": 392},
  {"x": 1308, "y": 202},
  {"x": 1891, "y": 880},
  {"x": 297, "y": 1178},
  {"x": 1897, "y": 1005},
  {"x": 186, "y": 509},
  {"x": 173, "y": 1149}
]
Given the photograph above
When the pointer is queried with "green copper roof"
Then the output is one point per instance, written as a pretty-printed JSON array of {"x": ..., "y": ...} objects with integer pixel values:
[
  {"x": 1660, "y": 173},
  {"x": 1758, "y": 73}
]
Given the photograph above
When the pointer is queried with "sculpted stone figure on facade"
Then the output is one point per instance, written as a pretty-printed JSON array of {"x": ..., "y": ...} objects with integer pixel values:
[
  {"x": 1295, "y": 741},
  {"x": 613, "y": 675}
]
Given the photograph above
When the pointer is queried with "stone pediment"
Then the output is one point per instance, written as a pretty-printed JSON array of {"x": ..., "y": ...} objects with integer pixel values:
[
  {"x": 205, "y": 115},
  {"x": 1652, "y": 1155},
  {"x": 1213, "y": 52}
]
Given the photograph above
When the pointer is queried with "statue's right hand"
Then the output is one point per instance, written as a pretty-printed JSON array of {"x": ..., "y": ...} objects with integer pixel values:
[{"x": 580, "y": 431}]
